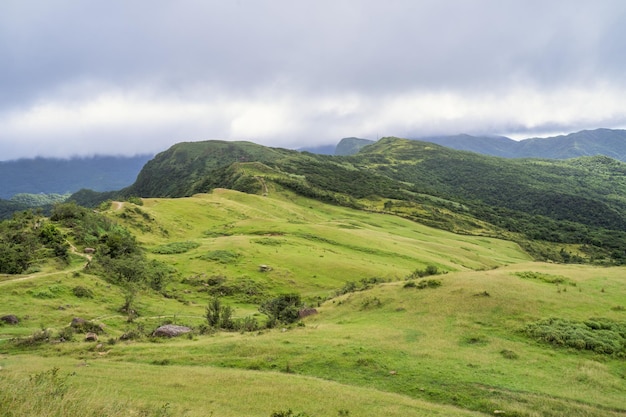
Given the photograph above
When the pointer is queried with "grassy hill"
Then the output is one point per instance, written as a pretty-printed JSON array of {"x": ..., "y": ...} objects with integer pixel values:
[
  {"x": 488, "y": 332},
  {"x": 564, "y": 211}
]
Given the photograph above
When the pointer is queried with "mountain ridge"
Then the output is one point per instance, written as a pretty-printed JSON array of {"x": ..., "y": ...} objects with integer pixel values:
[
  {"x": 577, "y": 201},
  {"x": 608, "y": 142}
]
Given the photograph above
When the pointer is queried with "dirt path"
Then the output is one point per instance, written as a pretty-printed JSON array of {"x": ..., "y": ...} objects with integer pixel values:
[
  {"x": 17, "y": 278},
  {"x": 117, "y": 205}
]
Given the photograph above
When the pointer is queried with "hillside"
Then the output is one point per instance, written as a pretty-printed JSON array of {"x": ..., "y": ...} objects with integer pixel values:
[
  {"x": 569, "y": 210},
  {"x": 607, "y": 142},
  {"x": 387, "y": 338}
]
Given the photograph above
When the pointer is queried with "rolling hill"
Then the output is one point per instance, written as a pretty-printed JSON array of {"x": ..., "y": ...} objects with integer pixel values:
[
  {"x": 407, "y": 279},
  {"x": 488, "y": 330},
  {"x": 575, "y": 206}
]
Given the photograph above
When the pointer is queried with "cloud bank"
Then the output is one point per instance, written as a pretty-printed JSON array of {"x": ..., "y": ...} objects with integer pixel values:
[{"x": 118, "y": 77}]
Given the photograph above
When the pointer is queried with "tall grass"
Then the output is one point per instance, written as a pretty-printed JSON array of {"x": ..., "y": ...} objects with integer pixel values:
[{"x": 51, "y": 393}]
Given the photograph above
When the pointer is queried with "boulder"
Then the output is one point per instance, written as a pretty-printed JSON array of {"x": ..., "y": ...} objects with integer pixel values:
[
  {"x": 10, "y": 319},
  {"x": 91, "y": 337},
  {"x": 171, "y": 330},
  {"x": 78, "y": 322}
]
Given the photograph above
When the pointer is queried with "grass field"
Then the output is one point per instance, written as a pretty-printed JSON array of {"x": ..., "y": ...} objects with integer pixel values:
[{"x": 457, "y": 348}]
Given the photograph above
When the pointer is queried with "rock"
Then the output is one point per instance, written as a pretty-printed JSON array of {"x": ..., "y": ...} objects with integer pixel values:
[
  {"x": 10, "y": 319},
  {"x": 171, "y": 330},
  {"x": 264, "y": 268},
  {"x": 305, "y": 312},
  {"x": 78, "y": 322},
  {"x": 91, "y": 337}
]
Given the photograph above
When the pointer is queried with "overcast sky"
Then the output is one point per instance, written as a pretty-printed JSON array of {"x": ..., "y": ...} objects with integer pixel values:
[{"x": 132, "y": 76}]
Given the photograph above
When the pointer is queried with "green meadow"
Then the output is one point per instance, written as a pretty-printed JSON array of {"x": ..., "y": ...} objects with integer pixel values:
[{"x": 490, "y": 333}]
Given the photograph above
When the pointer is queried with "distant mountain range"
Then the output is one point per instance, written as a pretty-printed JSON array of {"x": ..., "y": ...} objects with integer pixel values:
[
  {"x": 607, "y": 142},
  {"x": 61, "y": 176}
]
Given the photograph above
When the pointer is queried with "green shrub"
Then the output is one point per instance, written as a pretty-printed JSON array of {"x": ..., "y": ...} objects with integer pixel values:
[
  {"x": 221, "y": 256},
  {"x": 219, "y": 316},
  {"x": 66, "y": 334},
  {"x": 282, "y": 309},
  {"x": 175, "y": 248},
  {"x": 543, "y": 277},
  {"x": 421, "y": 273},
  {"x": 428, "y": 283},
  {"x": 82, "y": 292},
  {"x": 509, "y": 354},
  {"x": 599, "y": 335},
  {"x": 37, "y": 338}
]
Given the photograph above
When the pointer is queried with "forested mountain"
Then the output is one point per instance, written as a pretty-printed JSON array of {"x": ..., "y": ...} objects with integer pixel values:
[
  {"x": 608, "y": 142},
  {"x": 350, "y": 146},
  {"x": 579, "y": 201},
  {"x": 60, "y": 176}
]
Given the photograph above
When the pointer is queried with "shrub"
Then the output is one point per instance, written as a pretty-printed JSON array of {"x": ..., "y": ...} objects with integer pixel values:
[
  {"x": 37, "y": 338},
  {"x": 219, "y": 316},
  {"x": 82, "y": 292},
  {"x": 421, "y": 273},
  {"x": 247, "y": 324},
  {"x": 175, "y": 248},
  {"x": 428, "y": 283},
  {"x": 509, "y": 354},
  {"x": 66, "y": 334},
  {"x": 221, "y": 256},
  {"x": 282, "y": 309},
  {"x": 598, "y": 335}
]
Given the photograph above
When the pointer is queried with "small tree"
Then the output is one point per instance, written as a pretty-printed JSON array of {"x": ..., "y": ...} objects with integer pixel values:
[
  {"x": 219, "y": 316},
  {"x": 282, "y": 309}
]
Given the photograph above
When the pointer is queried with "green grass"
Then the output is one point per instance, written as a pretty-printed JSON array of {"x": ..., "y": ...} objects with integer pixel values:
[{"x": 387, "y": 348}]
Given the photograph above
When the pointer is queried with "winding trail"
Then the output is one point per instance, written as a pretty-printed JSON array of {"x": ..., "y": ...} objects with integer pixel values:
[{"x": 17, "y": 278}]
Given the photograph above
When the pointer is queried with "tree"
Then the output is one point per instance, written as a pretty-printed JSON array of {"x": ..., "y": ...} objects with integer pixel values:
[
  {"x": 219, "y": 316},
  {"x": 282, "y": 309}
]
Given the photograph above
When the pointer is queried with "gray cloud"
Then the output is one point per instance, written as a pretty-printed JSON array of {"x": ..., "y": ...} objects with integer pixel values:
[{"x": 126, "y": 77}]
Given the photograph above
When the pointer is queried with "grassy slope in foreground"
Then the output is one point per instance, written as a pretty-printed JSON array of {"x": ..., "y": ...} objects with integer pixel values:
[{"x": 386, "y": 351}]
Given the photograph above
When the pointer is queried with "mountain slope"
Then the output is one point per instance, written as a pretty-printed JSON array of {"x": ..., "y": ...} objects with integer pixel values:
[
  {"x": 350, "y": 146},
  {"x": 575, "y": 202}
]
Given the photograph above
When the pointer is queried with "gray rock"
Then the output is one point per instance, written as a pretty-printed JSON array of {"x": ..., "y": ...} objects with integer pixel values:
[
  {"x": 10, "y": 319},
  {"x": 171, "y": 330}
]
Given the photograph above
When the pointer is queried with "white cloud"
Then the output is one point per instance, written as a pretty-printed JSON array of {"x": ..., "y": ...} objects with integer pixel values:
[{"x": 130, "y": 122}]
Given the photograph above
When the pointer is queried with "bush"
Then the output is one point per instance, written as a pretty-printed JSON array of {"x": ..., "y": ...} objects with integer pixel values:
[
  {"x": 219, "y": 316},
  {"x": 282, "y": 309},
  {"x": 421, "y": 273},
  {"x": 66, "y": 334},
  {"x": 36, "y": 339},
  {"x": 428, "y": 283},
  {"x": 82, "y": 292},
  {"x": 221, "y": 256},
  {"x": 598, "y": 335},
  {"x": 175, "y": 248}
]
